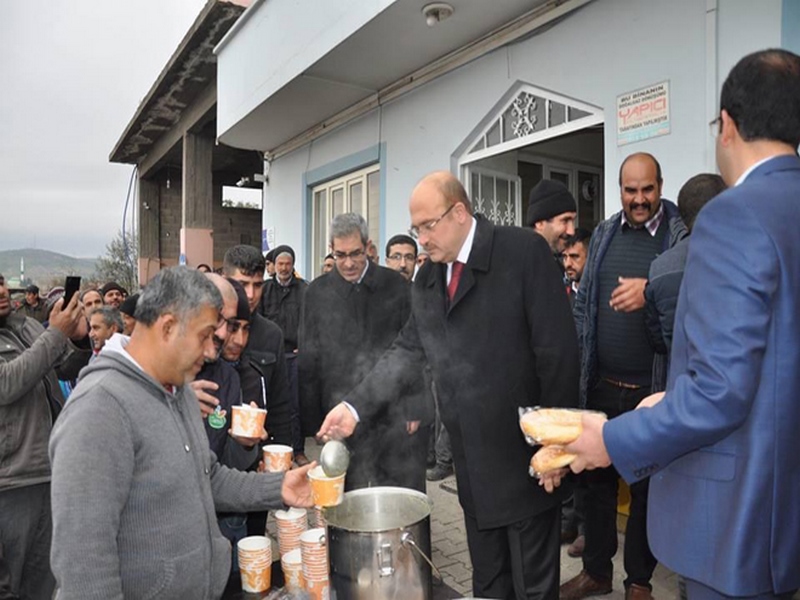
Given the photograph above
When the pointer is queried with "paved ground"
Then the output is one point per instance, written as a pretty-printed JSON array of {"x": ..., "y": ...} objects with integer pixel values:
[{"x": 451, "y": 556}]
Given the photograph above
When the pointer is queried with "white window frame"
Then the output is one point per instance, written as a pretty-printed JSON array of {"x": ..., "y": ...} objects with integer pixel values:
[{"x": 344, "y": 183}]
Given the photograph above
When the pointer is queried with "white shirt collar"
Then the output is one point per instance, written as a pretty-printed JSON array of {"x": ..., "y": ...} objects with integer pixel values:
[
  {"x": 364, "y": 272},
  {"x": 466, "y": 248},
  {"x": 752, "y": 168}
]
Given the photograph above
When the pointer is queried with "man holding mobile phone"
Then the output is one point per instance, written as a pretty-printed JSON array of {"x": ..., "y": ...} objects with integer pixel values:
[{"x": 30, "y": 400}]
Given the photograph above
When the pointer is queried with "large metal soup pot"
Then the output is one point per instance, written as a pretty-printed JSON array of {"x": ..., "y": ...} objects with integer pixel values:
[{"x": 379, "y": 541}]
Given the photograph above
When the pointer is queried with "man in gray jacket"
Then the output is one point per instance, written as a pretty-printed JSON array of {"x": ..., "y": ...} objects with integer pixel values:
[
  {"x": 30, "y": 400},
  {"x": 135, "y": 486}
]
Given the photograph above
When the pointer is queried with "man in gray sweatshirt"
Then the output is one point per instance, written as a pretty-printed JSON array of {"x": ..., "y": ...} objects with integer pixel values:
[{"x": 135, "y": 487}]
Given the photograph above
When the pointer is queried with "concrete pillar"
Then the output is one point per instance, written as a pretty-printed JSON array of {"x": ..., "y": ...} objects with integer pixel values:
[
  {"x": 197, "y": 243},
  {"x": 149, "y": 230}
]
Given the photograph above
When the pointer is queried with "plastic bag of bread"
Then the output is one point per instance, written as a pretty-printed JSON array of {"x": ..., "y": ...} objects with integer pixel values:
[
  {"x": 549, "y": 458},
  {"x": 550, "y": 425}
]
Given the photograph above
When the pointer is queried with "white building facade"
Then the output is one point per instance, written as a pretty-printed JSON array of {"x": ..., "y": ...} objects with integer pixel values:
[{"x": 353, "y": 101}]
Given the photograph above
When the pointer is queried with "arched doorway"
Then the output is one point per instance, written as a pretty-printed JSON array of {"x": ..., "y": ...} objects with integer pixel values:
[{"x": 529, "y": 135}]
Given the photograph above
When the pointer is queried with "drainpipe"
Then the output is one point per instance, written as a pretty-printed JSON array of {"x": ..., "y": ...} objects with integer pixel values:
[{"x": 712, "y": 83}]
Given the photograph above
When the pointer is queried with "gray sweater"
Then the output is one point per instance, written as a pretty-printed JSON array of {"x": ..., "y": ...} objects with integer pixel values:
[{"x": 135, "y": 489}]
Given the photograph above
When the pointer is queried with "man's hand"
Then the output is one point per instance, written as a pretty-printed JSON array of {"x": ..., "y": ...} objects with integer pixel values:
[
  {"x": 651, "y": 400},
  {"x": 589, "y": 447},
  {"x": 552, "y": 479},
  {"x": 339, "y": 423},
  {"x": 296, "y": 488},
  {"x": 207, "y": 402},
  {"x": 628, "y": 296},
  {"x": 412, "y": 427},
  {"x": 67, "y": 317}
]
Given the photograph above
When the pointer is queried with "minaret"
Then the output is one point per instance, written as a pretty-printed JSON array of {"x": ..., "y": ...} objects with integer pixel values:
[{"x": 21, "y": 269}]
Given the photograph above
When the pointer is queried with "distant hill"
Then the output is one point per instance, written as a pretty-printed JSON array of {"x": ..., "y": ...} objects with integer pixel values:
[{"x": 43, "y": 267}]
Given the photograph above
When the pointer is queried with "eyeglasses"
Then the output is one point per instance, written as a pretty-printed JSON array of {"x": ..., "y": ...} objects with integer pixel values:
[
  {"x": 397, "y": 257},
  {"x": 714, "y": 126},
  {"x": 343, "y": 256},
  {"x": 414, "y": 231}
]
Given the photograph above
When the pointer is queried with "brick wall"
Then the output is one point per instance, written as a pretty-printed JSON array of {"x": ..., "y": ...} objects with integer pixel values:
[
  {"x": 231, "y": 226},
  {"x": 170, "y": 216}
]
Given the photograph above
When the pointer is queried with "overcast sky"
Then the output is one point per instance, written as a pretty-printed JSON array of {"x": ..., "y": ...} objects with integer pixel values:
[{"x": 72, "y": 73}]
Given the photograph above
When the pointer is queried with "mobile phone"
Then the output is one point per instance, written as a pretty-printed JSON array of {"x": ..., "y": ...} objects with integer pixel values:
[{"x": 72, "y": 285}]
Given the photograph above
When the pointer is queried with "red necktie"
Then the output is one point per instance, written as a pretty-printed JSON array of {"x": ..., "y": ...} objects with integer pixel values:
[{"x": 455, "y": 276}]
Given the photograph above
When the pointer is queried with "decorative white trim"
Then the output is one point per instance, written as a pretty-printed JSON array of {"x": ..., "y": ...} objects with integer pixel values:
[{"x": 523, "y": 104}]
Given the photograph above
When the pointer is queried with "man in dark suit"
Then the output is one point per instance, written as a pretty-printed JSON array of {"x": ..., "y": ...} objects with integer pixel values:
[
  {"x": 490, "y": 316},
  {"x": 350, "y": 317},
  {"x": 722, "y": 446}
]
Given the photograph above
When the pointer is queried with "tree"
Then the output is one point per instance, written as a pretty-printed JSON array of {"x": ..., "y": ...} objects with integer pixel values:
[{"x": 119, "y": 262}]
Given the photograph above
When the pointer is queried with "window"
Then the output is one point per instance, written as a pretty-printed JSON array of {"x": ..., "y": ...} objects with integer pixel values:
[
  {"x": 357, "y": 192},
  {"x": 495, "y": 195},
  {"x": 240, "y": 197}
]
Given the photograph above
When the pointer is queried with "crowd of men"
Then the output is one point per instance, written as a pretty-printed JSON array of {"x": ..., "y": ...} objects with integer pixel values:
[{"x": 118, "y": 407}]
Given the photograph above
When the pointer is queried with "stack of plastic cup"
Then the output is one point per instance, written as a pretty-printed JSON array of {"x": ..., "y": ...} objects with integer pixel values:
[
  {"x": 319, "y": 518},
  {"x": 291, "y": 523},
  {"x": 292, "y": 565},
  {"x": 277, "y": 458},
  {"x": 255, "y": 563},
  {"x": 314, "y": 552}
]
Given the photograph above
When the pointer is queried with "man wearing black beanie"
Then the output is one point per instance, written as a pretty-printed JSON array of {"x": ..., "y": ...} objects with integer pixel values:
[{"x": 551, "y": 213}]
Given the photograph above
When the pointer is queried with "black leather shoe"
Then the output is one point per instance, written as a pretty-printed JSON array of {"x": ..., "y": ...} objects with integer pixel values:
[
  {"x": 583, "y": 585},
  {"x": 439, "y": 472}
]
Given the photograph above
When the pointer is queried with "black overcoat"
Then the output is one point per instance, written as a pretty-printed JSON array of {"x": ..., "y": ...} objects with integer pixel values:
[
  {"x": 507, "y": 341},
  {"x": 345, "y": 329}
]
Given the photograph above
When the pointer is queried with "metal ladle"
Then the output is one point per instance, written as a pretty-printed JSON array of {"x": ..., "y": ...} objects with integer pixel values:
[{"x": 334, "y": 458}]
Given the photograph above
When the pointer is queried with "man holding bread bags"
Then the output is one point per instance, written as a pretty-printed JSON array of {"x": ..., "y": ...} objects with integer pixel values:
[{"x": 721, "y": 445}]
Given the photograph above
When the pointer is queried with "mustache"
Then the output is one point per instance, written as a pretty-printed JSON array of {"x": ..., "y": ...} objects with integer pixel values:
[{"x": 646, "y": 204}]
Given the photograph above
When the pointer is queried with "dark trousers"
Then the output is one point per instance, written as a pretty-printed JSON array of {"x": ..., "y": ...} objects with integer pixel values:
[
  {"x": 25, "y": 533},
  {"x": 601, "y": 503},
  {"x": 573, "y": 511},
  {"x": 698, "y": 591},
  {"x": 298, "y": 441},
  {"x": 517, "y": 562},
  {"x": 5, "y": 580}
]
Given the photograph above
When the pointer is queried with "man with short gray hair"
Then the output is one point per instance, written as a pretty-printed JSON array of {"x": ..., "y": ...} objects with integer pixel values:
[
  {"x": 103, "y": 323},
  {"x": 135, "y": 487},
  {"x": 350, "y": 317}
]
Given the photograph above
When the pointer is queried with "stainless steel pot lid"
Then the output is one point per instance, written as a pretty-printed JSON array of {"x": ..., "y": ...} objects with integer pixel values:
[{"x": 372, "y": 510}]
